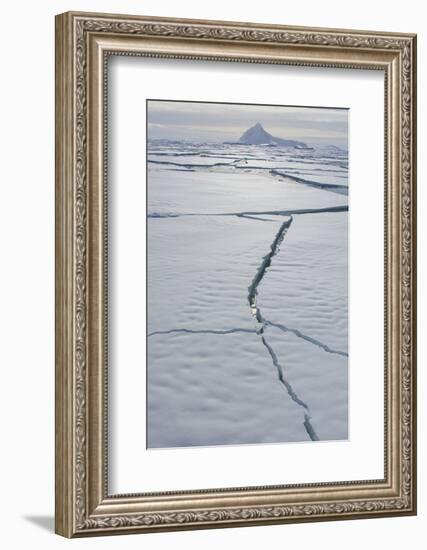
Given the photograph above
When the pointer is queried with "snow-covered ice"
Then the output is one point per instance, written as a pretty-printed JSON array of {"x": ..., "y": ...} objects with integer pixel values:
[{"x": 247, "y": 294}]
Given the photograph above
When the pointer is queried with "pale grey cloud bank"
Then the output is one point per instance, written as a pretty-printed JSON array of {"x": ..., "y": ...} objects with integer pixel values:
[{"x": 226, "y": 122}]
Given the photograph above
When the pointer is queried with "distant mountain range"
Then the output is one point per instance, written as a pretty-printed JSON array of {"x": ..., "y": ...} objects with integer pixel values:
[{"x": 256, "y": 135}]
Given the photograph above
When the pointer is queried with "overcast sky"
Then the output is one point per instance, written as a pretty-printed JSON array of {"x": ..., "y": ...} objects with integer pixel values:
[{"x": 227, "y": 122}]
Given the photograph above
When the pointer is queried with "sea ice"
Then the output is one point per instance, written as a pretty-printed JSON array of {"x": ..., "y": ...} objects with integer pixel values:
[{"x": 217, "y": 374}]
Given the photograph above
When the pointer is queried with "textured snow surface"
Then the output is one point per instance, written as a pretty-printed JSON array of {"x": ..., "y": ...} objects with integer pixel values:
[{"x": 221, "y": 220}]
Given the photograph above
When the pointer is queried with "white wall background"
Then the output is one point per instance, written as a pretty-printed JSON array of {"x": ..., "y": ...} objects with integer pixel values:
[{"x": 27, "y": 274}]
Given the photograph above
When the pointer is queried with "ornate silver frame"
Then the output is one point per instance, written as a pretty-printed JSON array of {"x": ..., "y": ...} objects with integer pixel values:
[{"x": 83, "y": 42}]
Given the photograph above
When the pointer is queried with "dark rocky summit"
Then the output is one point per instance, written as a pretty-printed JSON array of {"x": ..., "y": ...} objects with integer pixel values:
[{"x": 256, "y": 135}]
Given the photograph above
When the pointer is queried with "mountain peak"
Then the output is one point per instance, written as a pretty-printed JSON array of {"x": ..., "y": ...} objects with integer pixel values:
[{"x": 256, "y": 135}]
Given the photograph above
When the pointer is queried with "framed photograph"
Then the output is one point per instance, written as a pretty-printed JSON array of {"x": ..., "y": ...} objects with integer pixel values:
[{"x": 235, "y": 274}]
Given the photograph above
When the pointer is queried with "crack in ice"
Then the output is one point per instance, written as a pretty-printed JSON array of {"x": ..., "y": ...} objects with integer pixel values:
[
  {"x": 246, "y": 217},
  {"x": 309, "y": 339},
  {"x": 265, "y": 264},
  {"x": 281, "y": 327},
  {"x": 294, "y": 212},
  {"x": 242, "y": 164},
  {"x": 334, "y": 188},
  {"x": 262, "y": 324},
  {"x": 201, "y": 331}
]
